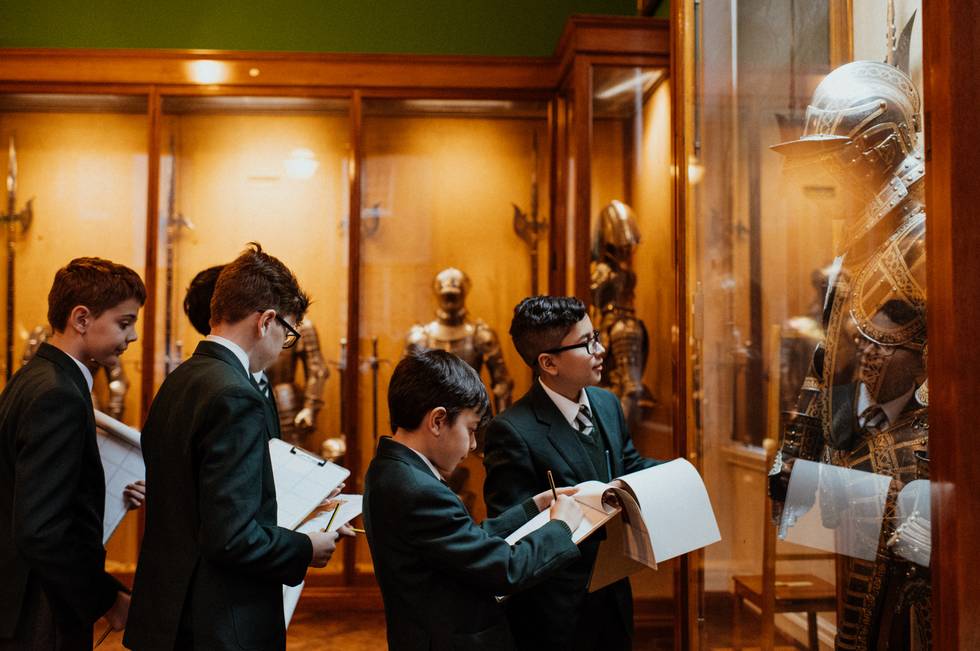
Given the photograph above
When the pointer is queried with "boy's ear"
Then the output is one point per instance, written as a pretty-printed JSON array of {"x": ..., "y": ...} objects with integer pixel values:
[
  {"x": 79, "y": 319},
  {"x": 547, "y": 364},
  {"x": 265, "y": 321},
  {"x": 436, "y": 418}
]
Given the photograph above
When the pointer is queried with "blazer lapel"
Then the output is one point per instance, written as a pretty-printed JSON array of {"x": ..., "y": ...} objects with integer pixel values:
[{"x": 561, "y": 435}]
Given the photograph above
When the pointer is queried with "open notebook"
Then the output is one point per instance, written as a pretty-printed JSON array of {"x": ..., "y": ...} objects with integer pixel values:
[
  {"x": 122, "y": 462},
  {"x": 650, "y": 516}
]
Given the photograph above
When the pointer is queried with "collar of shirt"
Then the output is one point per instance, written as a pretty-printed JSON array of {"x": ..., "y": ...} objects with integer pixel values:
[
  {"x": 424, "y": 458},
  {"x": 260, "y": 377},
  {"x": 233, "y": 347},
  {"x": 892, "y": 408},
  {"x": 568, "y": 408},
  {"x": 87, "y": 374}
]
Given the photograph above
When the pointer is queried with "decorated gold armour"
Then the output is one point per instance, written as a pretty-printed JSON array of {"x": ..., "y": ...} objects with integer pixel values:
[{"x": 863, "y": 404}]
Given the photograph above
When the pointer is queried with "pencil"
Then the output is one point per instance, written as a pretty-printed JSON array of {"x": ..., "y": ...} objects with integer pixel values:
[
  {"x": 332, "y": 516},
  {"x": 551, "y": 480},
  {"x": 105, "y": 634}
]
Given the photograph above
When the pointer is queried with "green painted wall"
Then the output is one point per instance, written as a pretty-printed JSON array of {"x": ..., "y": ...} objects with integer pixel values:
[{"x": 489, "y": 27}]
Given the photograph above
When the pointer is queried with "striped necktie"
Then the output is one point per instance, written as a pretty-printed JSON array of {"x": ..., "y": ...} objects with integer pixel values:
[
  {"x": 264, "y": 386},
  {"x": 583, "y": 420},
  {"x": 874, "y": 419}
]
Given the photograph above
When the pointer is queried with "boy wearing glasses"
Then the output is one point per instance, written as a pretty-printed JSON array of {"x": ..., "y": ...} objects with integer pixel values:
[
  {"x": 213, "y": 560},
  {"x": 576, "y": 430}
]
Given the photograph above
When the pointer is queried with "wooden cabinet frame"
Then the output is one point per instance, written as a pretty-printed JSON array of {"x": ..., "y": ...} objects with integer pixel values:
[{"x": 156, "y": 74}]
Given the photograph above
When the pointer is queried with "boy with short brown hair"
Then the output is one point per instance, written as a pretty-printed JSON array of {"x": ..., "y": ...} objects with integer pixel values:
[{"x": 52, "y": 485}]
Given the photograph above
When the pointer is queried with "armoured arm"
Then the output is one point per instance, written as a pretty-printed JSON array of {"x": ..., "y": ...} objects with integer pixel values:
[
  {"x": 316, "y": 372},
  {"x": 629, "y": 347},
  {"x": 501, "y": 383},
  {"x": 802, "y": 434}
]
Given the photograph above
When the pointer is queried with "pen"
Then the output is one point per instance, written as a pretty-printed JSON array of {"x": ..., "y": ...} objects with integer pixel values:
[
  {"x": 356, "y": 530},
  {"x": 609, "y": 465},
  {"x": 332, "y": 516},
  {"x": 551, "y": 480}
]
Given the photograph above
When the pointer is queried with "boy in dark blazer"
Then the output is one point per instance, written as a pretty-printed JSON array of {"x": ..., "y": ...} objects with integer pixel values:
[
  {"x": 438, "y": 570},
  {"x": 52, "y": 485},
  {"x": 567, "y": 425},
  {"x": 213, "y": 560}
]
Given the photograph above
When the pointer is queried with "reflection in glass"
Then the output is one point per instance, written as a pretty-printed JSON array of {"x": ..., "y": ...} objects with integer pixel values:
[{"x": 835, "y": 509}]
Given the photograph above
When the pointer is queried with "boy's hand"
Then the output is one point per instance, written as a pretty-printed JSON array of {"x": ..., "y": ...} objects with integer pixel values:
[
  {"x": 324, "y": 544},
  {"x": 567, "y": 510},
  {"x": 346, "y": 530},
  {"x": 135, "y": 494},
  {"x": 544, "y": 499},
  {"x": 119, "y": 612}
]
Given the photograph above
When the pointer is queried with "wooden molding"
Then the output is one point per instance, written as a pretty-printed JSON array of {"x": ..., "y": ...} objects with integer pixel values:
[
  {"x": 951, "y": 38},
  {"x": 258, "y": 69},
  {"x": 841, "y": 21}
]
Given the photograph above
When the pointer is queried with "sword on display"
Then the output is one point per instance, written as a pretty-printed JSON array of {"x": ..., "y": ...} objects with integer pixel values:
[
  {"x": 172, "y": 350},
  {"x": 13, "y": 219},
  {"x": 528, "y": 226}
]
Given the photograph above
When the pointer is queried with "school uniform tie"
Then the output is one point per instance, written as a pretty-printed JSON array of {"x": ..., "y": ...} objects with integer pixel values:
[
  {"x": 874, "y": 419},
  {"x": 583, "y": 421},
  {"x": 263, "y": 383}
]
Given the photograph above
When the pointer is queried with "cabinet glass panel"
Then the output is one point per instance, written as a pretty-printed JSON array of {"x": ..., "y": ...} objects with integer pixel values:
[
  {"x": 272, "y": 170},
  {"x": 632, "y": 274},
  {"x": 80, "y": 169},
  {"x": 808, "y": 295},
  {"x": 455, "y": 184}
]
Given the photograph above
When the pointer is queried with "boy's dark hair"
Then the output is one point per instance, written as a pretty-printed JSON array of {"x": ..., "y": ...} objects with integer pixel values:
[
  {"x": 426, "y": 379},
  {"x": 253, "y": 282},
  {"x": 197, "y": 300},
  {"x": 97, "y": 284},
  {"x": 541, "y": 322}
]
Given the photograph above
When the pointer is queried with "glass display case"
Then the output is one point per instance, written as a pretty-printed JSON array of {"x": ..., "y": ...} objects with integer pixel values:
[
  {"x": 614, "y": 232},
  {"x": 807, "y": 343},
  {"x": 454, "y": 211},
  {"x": 631, "y": 282},
  {"x": 273, "y": 170},
  {"x": 76, "y": 170},
  {"x": 404, "y": 192}
]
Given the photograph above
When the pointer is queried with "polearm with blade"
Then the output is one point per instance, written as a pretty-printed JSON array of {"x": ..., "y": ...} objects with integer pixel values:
[
  {"x": 528, "y": 226},
  {"x": 172, "y": 351},
  {"x": 13, "y": 219}
]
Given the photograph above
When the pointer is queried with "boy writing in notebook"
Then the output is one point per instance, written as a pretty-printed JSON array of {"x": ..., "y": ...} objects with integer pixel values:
[
  {"x": 438, "y": 570},
  {"x": 52, "y": 485},
  {"x": 569, "y": 426}
]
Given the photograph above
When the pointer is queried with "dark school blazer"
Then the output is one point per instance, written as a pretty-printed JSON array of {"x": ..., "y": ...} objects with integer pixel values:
[
  {"x": 213, "y": 560},
  {"x": 52, "y": 496},
  {"x": 438, "y": 570},
  {"x": 522, "y": 444}
]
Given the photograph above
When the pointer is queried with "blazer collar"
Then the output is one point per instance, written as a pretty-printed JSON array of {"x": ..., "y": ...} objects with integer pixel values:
[
  {"x": 67, "y": 364},
  {"x": 561, "y": 435},
  {"x": 217, "y": 351},
  {"x": 392, "y": 449}
]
